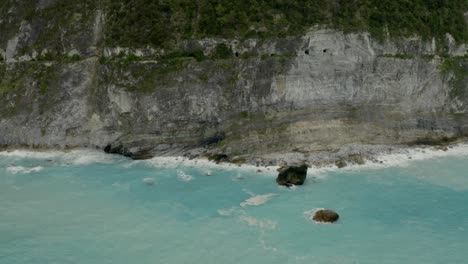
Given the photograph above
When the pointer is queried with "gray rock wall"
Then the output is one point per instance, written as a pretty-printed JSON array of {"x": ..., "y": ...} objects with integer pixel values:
[{"x": 316, "y": 92}]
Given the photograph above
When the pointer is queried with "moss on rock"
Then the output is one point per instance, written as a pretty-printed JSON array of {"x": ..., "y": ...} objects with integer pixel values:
[{"x": 455, "y": 70}]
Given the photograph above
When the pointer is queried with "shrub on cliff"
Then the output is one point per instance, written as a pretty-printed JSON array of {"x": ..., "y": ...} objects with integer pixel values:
[{"x": 162, "y": 23}]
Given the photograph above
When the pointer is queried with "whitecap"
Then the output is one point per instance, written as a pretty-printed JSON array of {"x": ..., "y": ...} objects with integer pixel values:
[
  {"x": 411, "y": 157},
  {"x": 87, "y": 157},
  {"x": 23, "y": 170},
  {"x": 401, "y": 158},
  {"x": 129, "y": 165},
  {"x": 184, "y": 176},
  {"x": 262, "y": 224},
  {"x": 406, "y": 157},
  {"x": 292, "y": 187},
  {"x": 309, "y": 214},
  {"x": 149, "y": 181},
  {"x": 73, "y": 157},
  {"x": 258, "y": 200},
  {"x": 248, "y": 192},
  {"x": 31, "y": 154},
  {"x": 175, "y": 162},
  {"x": 226, "y": 212}
]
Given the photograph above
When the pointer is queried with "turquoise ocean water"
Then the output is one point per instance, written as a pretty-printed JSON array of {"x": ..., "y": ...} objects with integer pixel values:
[{"x": 88, "y": 207}]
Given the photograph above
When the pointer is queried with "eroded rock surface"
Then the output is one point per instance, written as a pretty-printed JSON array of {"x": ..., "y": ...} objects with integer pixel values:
[
  {"x": 292, "y": 175},
  {"x": 310, "y": 93}
]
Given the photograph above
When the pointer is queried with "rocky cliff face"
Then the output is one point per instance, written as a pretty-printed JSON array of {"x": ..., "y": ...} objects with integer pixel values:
[{"x": 316, "y": 92}]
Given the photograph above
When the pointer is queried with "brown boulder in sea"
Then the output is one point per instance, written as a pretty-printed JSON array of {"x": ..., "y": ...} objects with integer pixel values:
[{"x": 325, "y": 216}]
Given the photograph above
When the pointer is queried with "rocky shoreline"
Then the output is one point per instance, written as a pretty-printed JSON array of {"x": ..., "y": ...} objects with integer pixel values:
[{"x": 349, "y": 155}]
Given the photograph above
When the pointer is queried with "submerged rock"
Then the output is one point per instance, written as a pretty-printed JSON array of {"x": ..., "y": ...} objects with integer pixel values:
[
  {"x": 325, "y": 216},
  {"x": 291, "y": 175}
]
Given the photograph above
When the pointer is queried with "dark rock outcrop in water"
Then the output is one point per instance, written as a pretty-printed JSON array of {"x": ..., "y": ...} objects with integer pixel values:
[
  {"x": 341, "y": 163},
  {"x": 218, "y": 158},
  {"x": 291, "y": 175},
  {"x": 136, "y": 154},
  {"x": 325, "y": 216}
]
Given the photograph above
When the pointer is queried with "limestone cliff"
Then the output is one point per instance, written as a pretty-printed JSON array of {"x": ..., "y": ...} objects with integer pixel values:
[{"x": 62, "y": 87}]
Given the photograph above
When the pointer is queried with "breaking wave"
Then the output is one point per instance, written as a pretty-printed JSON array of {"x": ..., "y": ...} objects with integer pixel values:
[
  {"x": 23, "y": 170},
  {"x": 74, "y": 157},
  {"x": 182, "y": 176}
]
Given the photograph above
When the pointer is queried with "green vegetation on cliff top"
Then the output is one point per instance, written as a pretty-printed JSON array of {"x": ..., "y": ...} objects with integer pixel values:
[{"x": 162, "y": 23}]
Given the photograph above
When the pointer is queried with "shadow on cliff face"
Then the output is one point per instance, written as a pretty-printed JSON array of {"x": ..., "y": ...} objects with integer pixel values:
[{"x": 214, "y": 140}]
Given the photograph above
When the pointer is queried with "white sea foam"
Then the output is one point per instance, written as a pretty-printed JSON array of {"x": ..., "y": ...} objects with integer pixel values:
[
  {"x": 128, "y": 165},
  {"x": 405, "y": 157},
  {"x": 258, "y": 200},
  {"x": 184, "y": 176},
  {"x": 23, "y": 170},
  {"x": 262, "y": 224},
  {"x": 401, "y": 158},
  {"x": 31, "y": 154},
  {"x": 86, "y": 157},
  {"x": 74, "y": 157},
  {"x": 176, "y": 162},
  {"x": 309, "y": 215},
  {"x": 227, "y": 212},
  {"x": 248, "y": 192},
  {"x": 149, "y": 181},
  {"x": 411, "y": 156}
]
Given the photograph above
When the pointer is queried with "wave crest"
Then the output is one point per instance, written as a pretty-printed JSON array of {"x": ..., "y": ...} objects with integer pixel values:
[
  {"x": 184, "y": 176},
  {"x": 23, "y": 170}
]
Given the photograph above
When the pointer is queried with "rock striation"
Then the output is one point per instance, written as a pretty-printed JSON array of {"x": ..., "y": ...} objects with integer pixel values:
[{"x": 316, "y": 92}]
